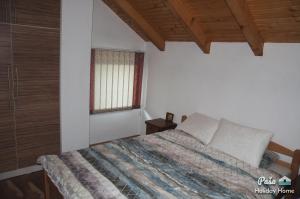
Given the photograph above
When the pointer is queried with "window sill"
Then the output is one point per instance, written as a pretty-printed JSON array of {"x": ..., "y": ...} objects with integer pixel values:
[{"x": 113, "y": 110}]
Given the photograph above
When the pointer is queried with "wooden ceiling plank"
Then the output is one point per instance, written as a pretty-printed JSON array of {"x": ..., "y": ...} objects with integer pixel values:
[
  {"x": 240, "y": 11},
  {"x": 142, "y": 23},
  {"x": 183, "y": 12}
]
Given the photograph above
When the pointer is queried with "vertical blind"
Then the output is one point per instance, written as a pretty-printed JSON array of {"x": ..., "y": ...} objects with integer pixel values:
[{"x": 113, "y": 80}]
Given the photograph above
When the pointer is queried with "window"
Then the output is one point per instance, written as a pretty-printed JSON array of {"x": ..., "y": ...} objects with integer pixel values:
[{"x": 116, "y": 80}]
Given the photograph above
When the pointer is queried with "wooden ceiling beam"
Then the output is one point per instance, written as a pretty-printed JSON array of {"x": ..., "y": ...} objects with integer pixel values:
[
  {"x": 241, "y": 12},
  {"x": 183, "y": 12},
  {"x": 141, "y": 22}
]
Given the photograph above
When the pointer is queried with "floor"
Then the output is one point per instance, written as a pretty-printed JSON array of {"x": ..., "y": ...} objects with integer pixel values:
[{"x": 29, "y": 186}]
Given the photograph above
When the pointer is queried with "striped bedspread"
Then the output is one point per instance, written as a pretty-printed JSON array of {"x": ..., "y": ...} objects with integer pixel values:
[{"x": 169, "y": 164}]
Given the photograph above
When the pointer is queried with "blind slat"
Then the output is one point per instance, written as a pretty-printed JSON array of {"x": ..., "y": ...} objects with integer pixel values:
[
  {"x": 112, "y": 79},
  {"x": 128, "y": 82}
]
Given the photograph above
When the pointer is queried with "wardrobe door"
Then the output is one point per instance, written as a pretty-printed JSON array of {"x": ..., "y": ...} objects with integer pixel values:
[
  {"x": 8, "y": 159},
  {"x": 36, "y": 78},
  {"x": 5, "y": 11},
  {"x": 43, "y": 13}
]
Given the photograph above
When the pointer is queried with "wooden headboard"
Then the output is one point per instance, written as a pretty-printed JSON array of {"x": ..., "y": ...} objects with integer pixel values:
[{"x": 273, "y": 146}]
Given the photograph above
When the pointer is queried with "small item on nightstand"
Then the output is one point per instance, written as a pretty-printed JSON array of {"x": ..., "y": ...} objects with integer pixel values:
[
  {"x": 169, "y": 117},
  {"x": 158, "y": 125}
]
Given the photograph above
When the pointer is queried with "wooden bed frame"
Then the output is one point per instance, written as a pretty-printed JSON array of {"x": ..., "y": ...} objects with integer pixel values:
[{"x": 51, "y": 191}]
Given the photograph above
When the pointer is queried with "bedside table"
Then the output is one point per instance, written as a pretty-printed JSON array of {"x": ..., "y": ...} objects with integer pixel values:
[{"x": 158, "y": 125}]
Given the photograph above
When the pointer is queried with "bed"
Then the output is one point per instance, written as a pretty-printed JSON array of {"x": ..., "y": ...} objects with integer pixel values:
[{"x": 169, "y": 164}]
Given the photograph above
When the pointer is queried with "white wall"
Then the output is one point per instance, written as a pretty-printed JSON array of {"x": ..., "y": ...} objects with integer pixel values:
[
  {"x": 110, "y": 32},
  {"x": 230, "y": 82},
  {"x": 76, "y": 30}
]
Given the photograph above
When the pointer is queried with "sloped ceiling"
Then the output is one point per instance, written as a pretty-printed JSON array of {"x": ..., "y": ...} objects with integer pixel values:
[{"x": 205, "y": 21}]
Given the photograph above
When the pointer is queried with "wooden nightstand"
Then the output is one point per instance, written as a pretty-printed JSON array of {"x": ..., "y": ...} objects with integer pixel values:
[{"x": 158, "y": 125}]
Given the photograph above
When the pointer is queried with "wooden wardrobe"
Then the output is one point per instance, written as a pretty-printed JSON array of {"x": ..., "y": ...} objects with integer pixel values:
[{"x": 29, "y": 81}]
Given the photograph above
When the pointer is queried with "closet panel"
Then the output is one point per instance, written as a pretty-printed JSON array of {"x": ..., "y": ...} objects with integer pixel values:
[
  {"x": 36, "y": 54},
  {"x": 36, "y": 78},
  {"x": 45, "y": 13},
  {"x": 8, "y": 159},
  {"x": 5, "y": 11}
]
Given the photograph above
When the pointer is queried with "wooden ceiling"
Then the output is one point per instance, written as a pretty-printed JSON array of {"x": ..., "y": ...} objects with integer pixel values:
[{"x": 206, "y": 21}]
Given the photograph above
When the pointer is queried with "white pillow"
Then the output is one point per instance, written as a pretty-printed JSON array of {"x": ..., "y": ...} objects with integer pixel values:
[
  {"x": 200, "y": 126},
  {"x": 245, "y": 143}
]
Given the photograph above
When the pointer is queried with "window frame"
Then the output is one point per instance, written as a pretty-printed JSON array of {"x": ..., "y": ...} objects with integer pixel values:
[{"x": 137, "y": 84}]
